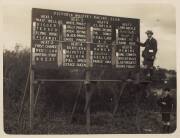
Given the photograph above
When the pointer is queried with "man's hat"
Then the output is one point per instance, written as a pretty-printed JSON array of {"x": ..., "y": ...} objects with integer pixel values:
[{"x": 149, "y": 32}]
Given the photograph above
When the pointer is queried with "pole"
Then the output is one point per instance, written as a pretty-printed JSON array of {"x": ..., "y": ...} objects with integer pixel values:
[
  {"x": 76, "y": 102},
  {"x": 36, "y": 97},
  {"x": 87, "y": 76},
  {"x": 24, "y": 96},
  {"x": 118, "y": 97},
  {"x": 87, "y": 108},
  {"x": 88, "y": 121},
  {"x": 31, "y": 98},
  {"x": 31, "y": 81}
]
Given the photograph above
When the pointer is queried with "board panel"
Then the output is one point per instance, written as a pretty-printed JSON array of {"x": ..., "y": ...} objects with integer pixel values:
[{"x": 78, "y": 40}]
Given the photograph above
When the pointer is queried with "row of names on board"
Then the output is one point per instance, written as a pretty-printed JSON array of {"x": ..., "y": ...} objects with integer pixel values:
[{"x": 84, "y": 40}]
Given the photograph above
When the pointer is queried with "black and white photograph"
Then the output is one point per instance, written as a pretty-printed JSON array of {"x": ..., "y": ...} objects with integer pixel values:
[{"x": 89, "y": 67}]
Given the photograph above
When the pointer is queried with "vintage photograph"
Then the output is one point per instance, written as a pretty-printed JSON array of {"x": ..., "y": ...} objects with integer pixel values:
[{"x": 79, "y": 67}]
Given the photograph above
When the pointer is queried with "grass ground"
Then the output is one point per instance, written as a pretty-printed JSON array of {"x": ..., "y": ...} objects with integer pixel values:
[
  {"x": 101, "y": 123},
  {"x": 128, "y": 120}
]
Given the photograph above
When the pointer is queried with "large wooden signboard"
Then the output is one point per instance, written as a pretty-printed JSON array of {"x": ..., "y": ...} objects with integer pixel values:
[{"x": 78, "y": 40}]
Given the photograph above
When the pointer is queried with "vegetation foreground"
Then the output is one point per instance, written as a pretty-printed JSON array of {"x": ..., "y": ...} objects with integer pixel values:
[{"x": 55, "y": 103}]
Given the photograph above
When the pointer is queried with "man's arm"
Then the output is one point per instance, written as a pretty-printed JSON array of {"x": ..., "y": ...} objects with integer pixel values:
[
  {"x": 139, "y": 43},
  {"x": 142, "y": 44}
]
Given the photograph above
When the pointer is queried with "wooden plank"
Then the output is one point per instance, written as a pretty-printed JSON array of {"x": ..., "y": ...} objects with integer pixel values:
[
  {"x": 59, "y": 80},
  {"x": 88, "y": 48},
  {"x": 31, "y": 99},
  {"x": 119, "y": 95},
  {"x": 24, "y": 96},
  {"x": 60, "y": 55},
  {"x": 88, "y": 119},
  {"x": 76, "y": 101},
  {"x": 113, "y": 55},
  {"x": 38, "y": 91},
  {"x": 87, "y": 94}
]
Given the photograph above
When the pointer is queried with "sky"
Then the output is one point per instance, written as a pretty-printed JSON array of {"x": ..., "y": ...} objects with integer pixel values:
[{"x": 158, "y": 17}]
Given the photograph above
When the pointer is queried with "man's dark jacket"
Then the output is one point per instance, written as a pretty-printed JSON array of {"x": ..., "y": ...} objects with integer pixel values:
[
  {"x": 150, "y": 48},
  {"x": 168, "y": 106}
]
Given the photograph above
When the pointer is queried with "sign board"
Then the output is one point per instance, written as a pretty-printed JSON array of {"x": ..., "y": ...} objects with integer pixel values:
[{"x": 78, "y": 40}]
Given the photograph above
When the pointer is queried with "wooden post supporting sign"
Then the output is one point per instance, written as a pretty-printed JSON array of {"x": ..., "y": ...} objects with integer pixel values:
[
  {"x": 87, "y": 78},
  {"x": 87, "y": 95},
  {"x": 31, "y": 98}
]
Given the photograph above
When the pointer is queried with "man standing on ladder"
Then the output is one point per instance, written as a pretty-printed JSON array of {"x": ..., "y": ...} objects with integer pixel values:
[{"x": 149, "y": 53}]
